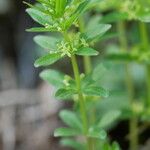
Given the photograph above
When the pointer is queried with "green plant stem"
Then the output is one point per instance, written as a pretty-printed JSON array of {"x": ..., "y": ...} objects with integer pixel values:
[
  {"x": 133, "y": 123},
  {"x": 145, "y": 45},
  {"x": 82, "y": 104},
  {"x": 86, "y": 59},
  {"x": 87, "y": 69},
  {"x": 81, "y": 100}
]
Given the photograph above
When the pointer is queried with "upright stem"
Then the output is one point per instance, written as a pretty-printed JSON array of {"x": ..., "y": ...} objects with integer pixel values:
[
  {"x": 133, "y": 124},
  {"x": 86, "y": 59},
  {"x": 81, "y": 98},
  {"x": 145, "y": 45},
  {"x": 82, "y": 104}
]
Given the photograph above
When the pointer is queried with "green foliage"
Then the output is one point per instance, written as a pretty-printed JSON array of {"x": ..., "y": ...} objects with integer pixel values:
[
  {"x": 73, "y": 144},
  {"x": 109, "y": 118},
  {"x": 46, "y": 42},
  {"x": 71, "y": 119},
  {"x": 86, "y": 52},
  {"x": 47, "y": 59},
  {"x": 79, "y": 25},
  {"x": 66, "y": 132},
  {"x": 53, "y": 77}
]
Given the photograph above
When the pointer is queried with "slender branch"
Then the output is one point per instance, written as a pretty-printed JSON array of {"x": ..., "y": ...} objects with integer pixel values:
[
  {"x": 86, "y": 59},
  {"x": 82, "y": 104},
  {"x": 145, "y": 45},
  {"x": 133, "y": 123}
]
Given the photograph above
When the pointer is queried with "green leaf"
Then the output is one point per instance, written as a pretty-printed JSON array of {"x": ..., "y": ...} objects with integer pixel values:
[
  {"x": 81, "y": 8},
  {"x": 71, "y": 119},
  {"x": 86, "y": 51},
  {"x": 145, "y": 17},
  {"x": 114, "y": 17},
  {"x": 95, "y": 91},
  {"x": 64, "y": 132},
  {"x": 47, "y": 59},
  {"x": 96, "y": 32},
  {"x": 65, "y": 93},
  {"x": 99, "y": 72},
  {"x": 120, "y": 56},
  {"x": 53, "y": 77},
  {"x": 72, "y": 144},
  {"x": 60, "y": 7},
  {"x": 39, "y": 29},
  {"x": 39, "y": 16},
  {"x": 97, "y": 133},
  {"x": 46, "y": 42},
  {"x": 115, "y": 146},
  {"x": 109, "y": 118}
]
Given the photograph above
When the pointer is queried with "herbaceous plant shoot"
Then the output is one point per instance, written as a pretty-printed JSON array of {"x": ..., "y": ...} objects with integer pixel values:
[{"x": 106, "y": 85}]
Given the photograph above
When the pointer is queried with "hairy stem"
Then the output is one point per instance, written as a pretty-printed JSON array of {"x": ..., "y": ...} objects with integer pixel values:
[
  {"x": 145, "y": 45},
  {"x": 133, "y": 123}
]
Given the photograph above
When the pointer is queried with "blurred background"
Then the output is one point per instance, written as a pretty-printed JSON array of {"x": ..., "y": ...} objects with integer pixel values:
[
  {"x": 28, "y": 111},
  {"x": 27, "y": 108}
]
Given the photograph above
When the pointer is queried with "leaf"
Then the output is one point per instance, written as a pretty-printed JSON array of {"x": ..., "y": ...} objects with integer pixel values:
[
  {"x": 60, "y": 7},
  {"x": 64, "y": 132},
  {"x": 71, "y": 119},
  {"x": 46, "y": 42},
  {"x": 72, "y": 144},
  {"x": 77, "y": 13},
  {"x": 94, "y": 20},
  {"x": 109, "y": 118},
  {"x": 86, "y": 51},
  {"x": 95, "y": 91},
  {"x": 47, "y": 59},
  {"x": 145, "y": 17},
  {"x": 39, "y": 16},
  {"x": 120, "y": 56},
  {"x": 65, "y": 93},
  {"x": 97, "y": 133},
  {"x": 114, "y": 17},
  {"x": 39, "y": 29},
  {"x": 99, "y": 72},
  {"x": 53, "y": 77},
  {"x": 115, "y": 146},
  {"x": 96, "y": 32}
]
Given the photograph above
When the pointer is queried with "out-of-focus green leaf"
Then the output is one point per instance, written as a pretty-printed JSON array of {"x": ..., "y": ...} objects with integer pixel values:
[
  {"x": 71, "y": 119},
  {"x": 97, "y": 133},
  {"x": 121, "y": 57},
  {"x": 96, "y": 32},
  {"x": 39, "y": 29},
  {"x": 72, "y": 144},
  {"x": 64, "y": 132},
  {"x": 114, "y": 17},
  {"x": 109, "y": 118},
  {"x": 53, "y": 77},
  {"x": 81, "y": 8}
]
